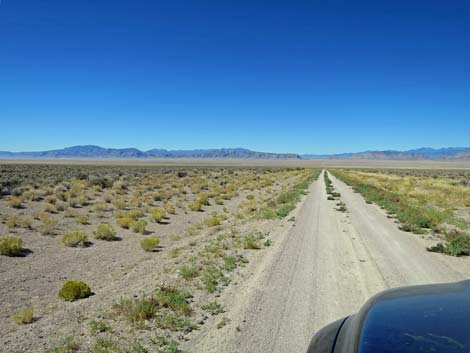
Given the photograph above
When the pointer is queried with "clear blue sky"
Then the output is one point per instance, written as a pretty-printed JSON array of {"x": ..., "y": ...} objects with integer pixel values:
[{"x": 280, "y": 76}]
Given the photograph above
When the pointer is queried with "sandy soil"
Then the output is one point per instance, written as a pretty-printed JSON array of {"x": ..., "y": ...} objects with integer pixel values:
[{"x": 322, "y": 269}]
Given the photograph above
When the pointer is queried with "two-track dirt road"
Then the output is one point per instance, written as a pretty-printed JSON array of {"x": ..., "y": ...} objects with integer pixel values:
[{"x": 323, "y": 269}]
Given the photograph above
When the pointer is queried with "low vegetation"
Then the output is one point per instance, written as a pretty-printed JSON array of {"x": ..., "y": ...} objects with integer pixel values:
[
  {"x": 150, "y": 243},
  {"x": 74, "y": 239},
  {"x": 74, "y": 290},
  {"x": 24, "y": 316},
  {"x": 208, "y": 226},
  {"x": 105, "y": 232},
  {"x": 422, "y": 201},
  {"x": 10, "y": 245}
]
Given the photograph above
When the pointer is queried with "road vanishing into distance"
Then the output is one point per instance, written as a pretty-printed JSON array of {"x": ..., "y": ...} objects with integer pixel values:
[{"x": 322, "y": 269}]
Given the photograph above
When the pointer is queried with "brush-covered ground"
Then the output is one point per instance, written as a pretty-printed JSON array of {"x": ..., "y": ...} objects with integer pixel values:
[
  {"x": 431, "y": 202},
  {"x": 156, "y": 246}
]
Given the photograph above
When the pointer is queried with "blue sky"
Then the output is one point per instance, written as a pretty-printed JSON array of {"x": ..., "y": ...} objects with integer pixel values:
[{"x": 280, "y": 76}]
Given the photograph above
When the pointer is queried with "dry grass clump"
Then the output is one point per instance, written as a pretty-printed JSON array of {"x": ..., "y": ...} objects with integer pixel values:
[
  {"x": 16, "y": 202},
  {"x": 48, "y": 224},
  {"x": 24, "y": 316}
]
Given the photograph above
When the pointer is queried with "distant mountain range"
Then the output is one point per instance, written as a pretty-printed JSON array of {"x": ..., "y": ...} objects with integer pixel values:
[
  {"x": 448, "y": 153},
  {"x": 97, "y": 152}
]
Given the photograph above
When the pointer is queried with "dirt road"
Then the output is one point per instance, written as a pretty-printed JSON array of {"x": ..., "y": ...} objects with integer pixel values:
[{"x": 322, "y": 269}]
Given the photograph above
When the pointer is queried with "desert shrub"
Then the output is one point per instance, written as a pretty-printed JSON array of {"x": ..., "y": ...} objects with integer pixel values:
[
  {"x": 169, "y": 208},
  {"x": 49, "y": 208},
  {"x": 61, "y": 206},
  {"x": 189, "y": 272},
  {"x": 119, "y": 203},
  {"x": 158, "y": 214},
  {"x": 16, "y": 202},
  {"x": 211, "y": 278},
  {"x": 71, "y": 213},
  {"x": 68, "y": 346},
  {"x": 24, "y": 316},
  {"x": 48, "y": 224},
  {"x": 250, "y": 242},
  {"x": 105, "y": 232},
  {"x": 10, "y": 245},
  {"x": 250, "y": 197},
  {"x": 136, "y": 310},
  {"x": 230, "y": 263},
  {"x": 125, "y": 222},
  {"x": 149, "y": 243},
  {"x": 74, "y": 290},
  {"x": 82, "y": 219},
  {"x": 212, "y": 221},
  {"x": 214, "y": 308},
  {"x": 174, "y": 299},
  {"x": 98, "y": 326},
  {"x": 195, "y": 206},
  {"x": 50, "y": 199},
  {"x": 458, "y": 244},
  {"x": 73, "y": 239},
  {"x": 100, "y": 207},
  {"x": 139, "y": 226},
  {"x": 12, "y": 222}
]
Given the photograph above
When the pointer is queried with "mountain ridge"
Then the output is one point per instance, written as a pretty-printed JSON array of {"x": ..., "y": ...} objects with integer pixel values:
[{"x": 98, "y": 152}]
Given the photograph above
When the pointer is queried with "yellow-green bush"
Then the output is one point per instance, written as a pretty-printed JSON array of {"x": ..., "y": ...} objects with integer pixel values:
[
  {"x": 10, "y": 245},
  {"x": 73, "y": 239},
  {"x": 149, "y": 243},
  {"x": 74, "y": 290},
  {"x": 105, "y": 232},
  {"x": 158, "y": 214},
  {"x": 140, "y": 226}
]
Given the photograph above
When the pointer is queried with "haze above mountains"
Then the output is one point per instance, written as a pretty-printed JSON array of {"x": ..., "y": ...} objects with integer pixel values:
[{"x": 97, "y": 152}]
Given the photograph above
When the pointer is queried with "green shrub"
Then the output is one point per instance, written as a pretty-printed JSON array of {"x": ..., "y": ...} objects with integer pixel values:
[
  {"x": 458, "y": 244},
  {"x": 136, "y": 310},
  {"x": 158, "y": 214},
  {"x": 74, "y": 290},
  {"x": 73, "y": 239},
  {"x": 24, "y": 316},
  {"x": 140, "y": 226},
  {"x": 10, "y": 245},
  {"x": 174, "y": 299},
  {"x": 149, "y": 243},
  {"x": 230, "y": 263},
  {"x": 105, "y": 232}
]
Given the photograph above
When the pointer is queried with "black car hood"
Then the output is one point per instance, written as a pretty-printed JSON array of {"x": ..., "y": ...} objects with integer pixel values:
[{"x": 417, "y": 319}]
